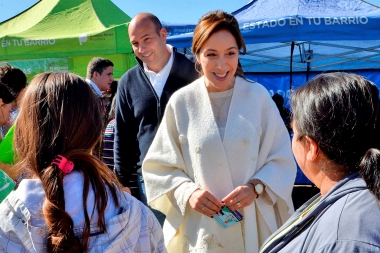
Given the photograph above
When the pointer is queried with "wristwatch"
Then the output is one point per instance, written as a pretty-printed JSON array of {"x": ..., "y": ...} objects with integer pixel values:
[{"x": 258, "y": 187}]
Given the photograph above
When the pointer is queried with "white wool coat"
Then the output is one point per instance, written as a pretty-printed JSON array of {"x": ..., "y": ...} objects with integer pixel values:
[{"x": 188, "y": 150}]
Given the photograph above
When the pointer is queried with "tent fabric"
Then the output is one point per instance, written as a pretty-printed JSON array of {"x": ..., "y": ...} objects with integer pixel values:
[
  {"x": 263, "y": 21},
  {"x": 328, "y": 35},
  {"x": 177, "y": 28},
  {"x": 299, "y": 20},
  {"x": 63, "y": 31}
]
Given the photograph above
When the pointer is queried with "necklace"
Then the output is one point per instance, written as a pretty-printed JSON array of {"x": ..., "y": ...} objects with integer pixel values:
[{"x": 221, "y": 105}]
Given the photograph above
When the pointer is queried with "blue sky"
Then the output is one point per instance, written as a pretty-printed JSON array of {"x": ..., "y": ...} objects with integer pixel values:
[{"x": 181, "y": 11}]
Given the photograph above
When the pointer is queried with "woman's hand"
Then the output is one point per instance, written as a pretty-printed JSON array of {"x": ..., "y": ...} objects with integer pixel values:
[
  {"x": 205, "y": 203},
  {"x": 241, "y": 197}
]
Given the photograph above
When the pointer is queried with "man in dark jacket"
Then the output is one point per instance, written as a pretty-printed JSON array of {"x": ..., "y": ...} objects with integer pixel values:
[{"x": 143, "y": 93}]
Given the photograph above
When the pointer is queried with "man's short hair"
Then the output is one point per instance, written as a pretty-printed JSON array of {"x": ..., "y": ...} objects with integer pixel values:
[
  {"x": 152, "y": 18},
  {"x": 97, "y": 64}
]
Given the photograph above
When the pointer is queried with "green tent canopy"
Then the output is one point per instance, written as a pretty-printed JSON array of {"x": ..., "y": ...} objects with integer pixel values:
[{"x": 64, "y": 35}]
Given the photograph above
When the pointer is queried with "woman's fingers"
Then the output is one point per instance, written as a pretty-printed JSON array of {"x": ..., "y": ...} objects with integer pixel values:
[
  {"x": 240, "y": 197},
  {"x": 204, "y": 202}
]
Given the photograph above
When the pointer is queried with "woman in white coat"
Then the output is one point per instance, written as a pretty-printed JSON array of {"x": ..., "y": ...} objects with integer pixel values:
[{"x": 221, "y": 142}]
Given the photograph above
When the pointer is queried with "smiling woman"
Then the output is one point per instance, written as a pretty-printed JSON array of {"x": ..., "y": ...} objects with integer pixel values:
[
  {"x": 221, "y": 143},
  {"x": 219, "y": 60}
]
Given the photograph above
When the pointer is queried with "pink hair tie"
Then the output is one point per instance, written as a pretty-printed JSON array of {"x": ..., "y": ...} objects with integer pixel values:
[{"x": 63, "y": 164}]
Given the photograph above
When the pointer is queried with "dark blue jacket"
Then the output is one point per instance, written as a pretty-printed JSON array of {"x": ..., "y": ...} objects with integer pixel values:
[
  {"x": 139, "y": 112},
  {"x": 345, "y": 220}
]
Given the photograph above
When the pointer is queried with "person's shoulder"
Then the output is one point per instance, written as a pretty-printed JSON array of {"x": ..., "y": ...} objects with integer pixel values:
[
  {"x": 251, "y": 85},
  {"x": 356, "y": 213},
  {"x": 256, "y": 92},
  {"x": 190, "y": 88},
  {"x": 131, "y": 76},
  {"x": 131, "y": 72},
  {"x": 352, "y": 220},
  {"x": 187, "y": 92},
  {"x": 185, "y": 57}
]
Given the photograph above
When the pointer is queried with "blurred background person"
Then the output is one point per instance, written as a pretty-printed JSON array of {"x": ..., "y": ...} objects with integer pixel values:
[
  {"x": 12, "y": 84},
  {"x": 100, "y": 78},
  {"x": 336, "y": 144},
  {"x": 109, "y": 136},
  {"x": 221, "y": 142}
]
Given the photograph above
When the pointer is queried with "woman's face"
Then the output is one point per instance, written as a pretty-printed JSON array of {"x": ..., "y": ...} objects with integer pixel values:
[
  {"x": 298, "y": 148},
  {"x": 301, "y": 150},
  {"x": 219, "y": 60},
  {"x": 5, "y": 110}
]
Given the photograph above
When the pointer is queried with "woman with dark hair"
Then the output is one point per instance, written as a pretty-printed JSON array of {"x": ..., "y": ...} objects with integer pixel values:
[
  {"x": 73, "y": 202},
  {"x": 12, "y": 83},
  {"x": 336, "y": 144},
  {"x": 221, "y": 144}
]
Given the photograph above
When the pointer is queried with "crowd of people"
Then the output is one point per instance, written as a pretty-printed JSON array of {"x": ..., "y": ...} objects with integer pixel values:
[{"x": 184, "y": 154}]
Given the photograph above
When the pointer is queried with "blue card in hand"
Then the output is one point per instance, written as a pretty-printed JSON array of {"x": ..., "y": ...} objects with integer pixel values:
[{"x": 226, "y": 218}]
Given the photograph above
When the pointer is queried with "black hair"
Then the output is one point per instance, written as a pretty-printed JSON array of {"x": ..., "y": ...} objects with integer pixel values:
[
  {"x": 97, "y": 64},
  {"x": 12, "y": 81},
  {"x": 339, "y": 111}
]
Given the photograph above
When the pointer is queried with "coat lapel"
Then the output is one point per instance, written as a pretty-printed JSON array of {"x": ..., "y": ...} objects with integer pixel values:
[
  {"x": 212, "y": 145},
  {"x": 242, "y": 130}
]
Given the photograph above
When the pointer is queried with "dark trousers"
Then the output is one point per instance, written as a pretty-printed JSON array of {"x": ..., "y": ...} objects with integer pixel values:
[{"x": 141, "y": 185}]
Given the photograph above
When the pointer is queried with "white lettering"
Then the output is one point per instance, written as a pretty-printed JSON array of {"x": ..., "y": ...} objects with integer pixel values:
[
  {"x": 292, "y": 21},
  {"x": 327, "y": 21},
  {"x": 317, "y": 20},
  {"x": 295, "y": 21},
  {"x": 273, "y": 23},
  {"x": 281, "y": 22},
  {"x": 5, "y": 43},
  {"x": 363, "y": 20},
  {"x": 299, "y": 21},
  {"x": 336, "y": 21}
]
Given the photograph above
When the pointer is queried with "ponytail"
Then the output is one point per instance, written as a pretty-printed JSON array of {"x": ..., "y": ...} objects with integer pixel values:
[
  {"x": 59, "y": 222},
  {"x": 370, "y": 171}
]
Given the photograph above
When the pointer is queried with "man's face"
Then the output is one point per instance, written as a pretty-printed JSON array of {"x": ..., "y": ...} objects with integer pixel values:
[
  {"x": 104, "y": 80},
  {"x": 148, "y": 45}
]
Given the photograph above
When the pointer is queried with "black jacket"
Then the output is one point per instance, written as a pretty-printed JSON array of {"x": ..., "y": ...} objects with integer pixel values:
[{"x": 139, "y": 112}]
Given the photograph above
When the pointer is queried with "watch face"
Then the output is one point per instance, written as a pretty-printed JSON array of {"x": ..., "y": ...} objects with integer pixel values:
[{"x": 259, "y": 188}]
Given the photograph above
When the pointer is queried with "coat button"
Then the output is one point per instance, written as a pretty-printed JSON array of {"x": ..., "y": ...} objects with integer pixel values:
[
  {"x": 182, "y": 139},
  {"x": 197, "y": 149}
]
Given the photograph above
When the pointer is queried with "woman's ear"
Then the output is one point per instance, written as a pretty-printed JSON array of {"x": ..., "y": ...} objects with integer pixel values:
[
  {"x": 197, "y": 58},
  {"x": 1, "y": 102},
  {"x": 313, "y": 149}
]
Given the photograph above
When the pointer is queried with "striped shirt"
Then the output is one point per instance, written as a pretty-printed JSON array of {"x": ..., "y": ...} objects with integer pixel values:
[{"x": 108, "y": 141}]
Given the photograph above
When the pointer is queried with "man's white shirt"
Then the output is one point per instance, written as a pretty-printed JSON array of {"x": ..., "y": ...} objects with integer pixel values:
[{"x": 159, "y": 79}]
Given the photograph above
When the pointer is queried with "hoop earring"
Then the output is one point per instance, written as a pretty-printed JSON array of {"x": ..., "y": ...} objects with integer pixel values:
[{"x": 198, "y": 67}]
